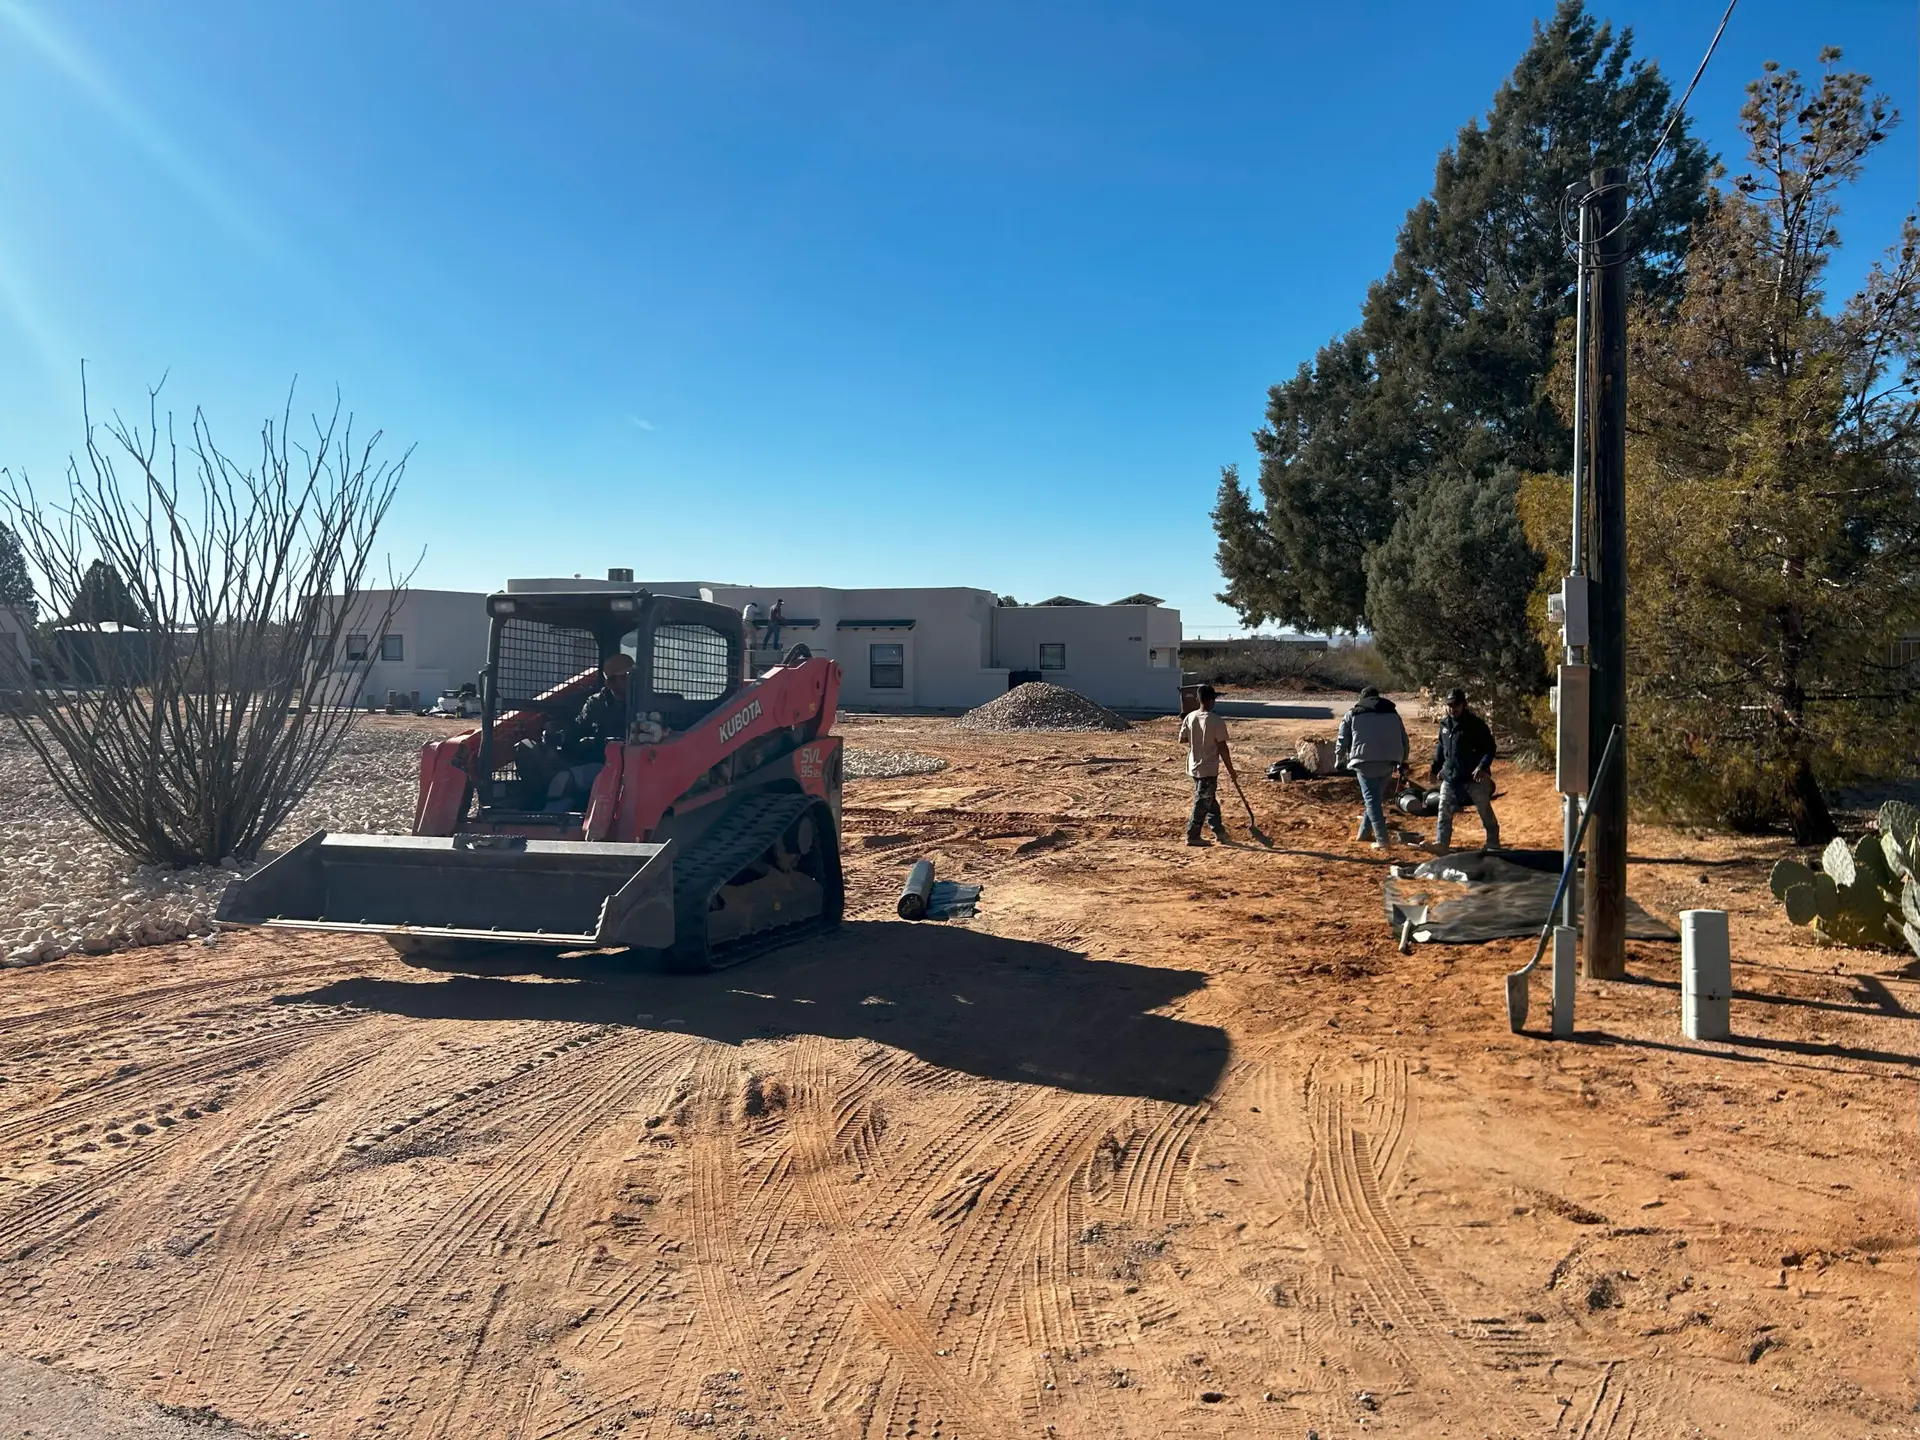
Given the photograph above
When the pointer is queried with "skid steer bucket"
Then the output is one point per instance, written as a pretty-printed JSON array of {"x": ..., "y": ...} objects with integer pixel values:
[{"x": 424, "y": 892}]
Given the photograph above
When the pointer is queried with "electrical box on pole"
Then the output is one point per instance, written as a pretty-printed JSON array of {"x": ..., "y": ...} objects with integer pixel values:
[
  {"x": 1606, "y": 949},
  {"x": 1572, "y": 753},
  {"x": 1568, "y": 608}
]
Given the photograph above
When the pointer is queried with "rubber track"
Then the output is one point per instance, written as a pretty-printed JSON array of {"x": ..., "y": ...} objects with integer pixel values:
[{"x": 748, "y": 830}]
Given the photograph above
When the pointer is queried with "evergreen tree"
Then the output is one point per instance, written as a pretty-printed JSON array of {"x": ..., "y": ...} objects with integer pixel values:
[
  {"x": 16, "y": 585},
  {"x": 1447, "y": 593},
  {"x": 1446, "y": 366},
  {"x": 1774, "y": 487},
  {"x": 103, "y": 598}
]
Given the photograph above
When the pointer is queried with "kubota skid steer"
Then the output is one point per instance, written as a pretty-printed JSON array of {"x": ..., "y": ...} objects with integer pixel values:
[{"x": 709, "y": 832}]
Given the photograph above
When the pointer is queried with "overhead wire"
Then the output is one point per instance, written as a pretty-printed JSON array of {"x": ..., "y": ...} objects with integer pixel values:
[{"x": 1575, "y": 194}]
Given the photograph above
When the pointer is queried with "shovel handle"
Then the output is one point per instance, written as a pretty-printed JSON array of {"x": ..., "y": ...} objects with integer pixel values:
[
  {"x": 1600, "y": 778},
  {"x": 1243, "y": 797}
]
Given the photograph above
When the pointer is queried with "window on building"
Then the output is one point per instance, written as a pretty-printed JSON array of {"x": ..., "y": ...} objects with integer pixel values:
[
  {"x": 1053, "y": 657},
  {"x": 886, "y": 667},
  {"x": 391, "y": 648},
  {"x": 356, "y": 647},
  {"x": 1906, "y": 650}
]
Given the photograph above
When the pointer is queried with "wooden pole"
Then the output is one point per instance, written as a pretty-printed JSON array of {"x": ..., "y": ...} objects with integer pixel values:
[{"x": 1606, "y": 951}]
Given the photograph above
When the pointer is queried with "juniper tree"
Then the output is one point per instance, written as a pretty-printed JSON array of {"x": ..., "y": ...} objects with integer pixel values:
[
  {"x": 1445, "y": 368},
  {"x": 1774, "y": 485}
]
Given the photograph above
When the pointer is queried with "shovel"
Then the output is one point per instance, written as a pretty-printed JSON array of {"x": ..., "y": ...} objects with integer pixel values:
[
  {"x": 1517, "y": 981},
  {"x": 1253, "y": 826}
]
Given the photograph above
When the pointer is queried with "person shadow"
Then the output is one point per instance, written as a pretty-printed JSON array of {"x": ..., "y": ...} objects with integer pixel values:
[{"x": 986, "y": 1005}]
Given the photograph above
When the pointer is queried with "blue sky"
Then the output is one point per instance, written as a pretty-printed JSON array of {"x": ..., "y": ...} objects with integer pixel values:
[{"x": 977, "y": 294}]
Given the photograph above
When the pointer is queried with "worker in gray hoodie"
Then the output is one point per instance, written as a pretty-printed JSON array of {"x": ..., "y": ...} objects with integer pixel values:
[{"x": 1373, "y": 744}]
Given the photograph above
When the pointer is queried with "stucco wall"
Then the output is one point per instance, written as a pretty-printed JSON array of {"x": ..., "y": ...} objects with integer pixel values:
[
  {"x": 443, "y": 640},
  {"x": 1109, "y": 650},
  {"x": 13, "y": 639},
  {"x": 946, "y": 651}
]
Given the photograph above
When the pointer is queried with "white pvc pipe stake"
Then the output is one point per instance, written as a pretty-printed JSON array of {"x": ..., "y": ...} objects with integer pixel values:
[
  {"x": 1566, "y": 945},
  {"x": 1706, "y": 975}
]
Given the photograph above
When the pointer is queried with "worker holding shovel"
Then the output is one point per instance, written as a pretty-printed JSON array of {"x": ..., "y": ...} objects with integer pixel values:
[
  {"x": 1205, "y": 736},
  {"x": 1373, "y": 744}
]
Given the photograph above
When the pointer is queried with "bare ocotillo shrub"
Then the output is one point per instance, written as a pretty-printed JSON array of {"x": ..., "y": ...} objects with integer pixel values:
[{"x": 186, "y": 731}]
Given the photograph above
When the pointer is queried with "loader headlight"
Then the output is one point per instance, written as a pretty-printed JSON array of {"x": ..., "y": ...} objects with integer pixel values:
[
  {"x": 625, "y": 607},
  {"x": 500, "y": 607}
]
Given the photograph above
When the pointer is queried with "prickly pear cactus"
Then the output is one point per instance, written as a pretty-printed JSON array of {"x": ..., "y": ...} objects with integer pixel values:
[{"x": 1865, "y": 894}]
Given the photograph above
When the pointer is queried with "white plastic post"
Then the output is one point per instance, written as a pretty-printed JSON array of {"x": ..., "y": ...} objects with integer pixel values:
[
  {"x": 1706, "y": 975},
  {"x": 1566, "y": 949}
]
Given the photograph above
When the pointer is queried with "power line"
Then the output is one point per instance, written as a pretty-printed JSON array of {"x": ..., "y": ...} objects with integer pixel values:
[
  {"x": 1646, "y": 174},
  {"x": 1681, "y": 108}
]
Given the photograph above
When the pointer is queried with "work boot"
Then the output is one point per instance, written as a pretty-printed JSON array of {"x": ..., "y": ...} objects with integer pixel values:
[
  {"x": 1365, "y": 832},
  {"x": 1195, "y": 840},
  {"x": 1220, "y": 834}
]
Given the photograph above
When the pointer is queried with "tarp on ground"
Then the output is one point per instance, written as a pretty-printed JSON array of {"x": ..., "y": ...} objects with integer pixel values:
[{"x": 1469, "y": 898}]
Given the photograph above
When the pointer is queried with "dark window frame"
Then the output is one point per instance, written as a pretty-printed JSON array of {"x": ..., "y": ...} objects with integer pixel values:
[
  {"x": 886, "y": 674},
  {"x": 1059, "y": 646}
]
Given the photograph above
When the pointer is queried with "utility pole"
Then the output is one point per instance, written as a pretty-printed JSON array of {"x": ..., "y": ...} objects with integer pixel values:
[{"x": 1606, "y": 949}]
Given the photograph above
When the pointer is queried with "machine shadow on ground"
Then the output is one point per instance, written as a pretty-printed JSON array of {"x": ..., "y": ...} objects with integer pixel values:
[{"x": 982, "y": 1004}]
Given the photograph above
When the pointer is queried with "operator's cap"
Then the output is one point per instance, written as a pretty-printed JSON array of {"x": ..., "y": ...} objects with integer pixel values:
[{"x": 1456, "y": 696}]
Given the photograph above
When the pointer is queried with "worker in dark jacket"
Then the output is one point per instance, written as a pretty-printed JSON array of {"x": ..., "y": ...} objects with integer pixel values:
[
  {"x": 560, "y": 767},
  {"x": 1463, "y": 764},
  {"x": 604, "y": 716},
  {"x": 1373, "y": 745}
]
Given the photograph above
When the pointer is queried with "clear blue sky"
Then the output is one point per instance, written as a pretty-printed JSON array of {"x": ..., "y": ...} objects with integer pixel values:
[{"x": 937, "y": 293}]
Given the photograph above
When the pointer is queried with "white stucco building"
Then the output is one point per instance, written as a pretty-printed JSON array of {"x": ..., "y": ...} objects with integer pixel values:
[
  {"x": 13, "y": 641},
  {"x": 954, "y": 648},
  {"x": 907, "y": 648},
  {"x": 436, "y": 640}
]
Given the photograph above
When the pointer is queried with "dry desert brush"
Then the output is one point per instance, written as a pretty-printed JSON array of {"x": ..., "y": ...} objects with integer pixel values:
[{"x": 190, "y": 680}]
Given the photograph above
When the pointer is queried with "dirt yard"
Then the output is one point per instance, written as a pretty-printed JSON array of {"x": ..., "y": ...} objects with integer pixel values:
[{"x": 1166, "y": 1142}]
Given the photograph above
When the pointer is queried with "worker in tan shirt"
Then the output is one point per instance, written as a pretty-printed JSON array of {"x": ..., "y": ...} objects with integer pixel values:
[{"x": 1205, "y": 736}]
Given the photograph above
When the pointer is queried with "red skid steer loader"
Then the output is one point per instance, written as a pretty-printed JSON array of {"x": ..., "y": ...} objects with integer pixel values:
[{"x": 707, "y": 829}]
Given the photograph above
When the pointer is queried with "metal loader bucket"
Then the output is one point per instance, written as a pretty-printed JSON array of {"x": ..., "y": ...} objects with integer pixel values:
[{"x": 418, "y": 890}]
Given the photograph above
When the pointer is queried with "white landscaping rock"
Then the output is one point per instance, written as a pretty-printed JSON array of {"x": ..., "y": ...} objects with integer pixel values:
[{"x": 64, "y": 889}]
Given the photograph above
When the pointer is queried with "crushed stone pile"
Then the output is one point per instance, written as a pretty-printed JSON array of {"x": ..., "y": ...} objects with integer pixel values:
[
  {"x": 64, "y": 889},
  {"x": 1037, "y": 705},
  {"x": 864, "y": 764}
]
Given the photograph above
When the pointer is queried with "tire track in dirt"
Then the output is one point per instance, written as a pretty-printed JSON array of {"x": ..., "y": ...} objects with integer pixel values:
[
  {"x": 205, "y": 1347},
  {"x": 56, "y": 1207},
  {"x": 725, "y": 1336},
  {"x": 886, "y": 1300},
  {"x": 1011, "y": 1218},
  {"x": 137, "y": 1086},
  {"x": 268, "y": 1206},
  {"x": 499, "y": 1203},
  {"x": 1363, "y": 1228},
  {"x": 96, "y": 1015},
  {"x": 1303, "y": 1334}
]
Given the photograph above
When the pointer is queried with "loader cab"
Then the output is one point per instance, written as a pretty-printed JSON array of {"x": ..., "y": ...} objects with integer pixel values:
[{"x": 544, "y": 657}]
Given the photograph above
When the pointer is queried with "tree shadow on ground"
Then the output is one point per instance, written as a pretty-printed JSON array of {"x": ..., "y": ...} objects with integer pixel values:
[{"x": 997, "y": 1008}]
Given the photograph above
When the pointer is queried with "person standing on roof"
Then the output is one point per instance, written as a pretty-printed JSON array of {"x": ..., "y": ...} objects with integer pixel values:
[
  {"x": 776, "y": 617},
  {"x": 1373, "y": 744},
  {"x": 1205, "y": 736},
  {"x": 751, "y": 621},
  {"x": 1463, "y": 763}
]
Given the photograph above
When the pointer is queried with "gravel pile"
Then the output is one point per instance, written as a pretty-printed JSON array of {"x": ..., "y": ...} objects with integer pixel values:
[
  {"x": 64, "y": 889},
  {"x": 888, "y": 764},
  {"x": 1037, "y": 705}
]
